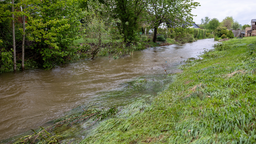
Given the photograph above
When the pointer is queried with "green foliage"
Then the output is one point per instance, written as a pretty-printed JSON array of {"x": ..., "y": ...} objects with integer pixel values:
[
  {"x": 220, "y": 31},
  {"x": 43, "y": 136},
  {"x": 54, "y": 26},
  {"x": 221, "y": 47},
  {"x": 223, "y": 36},
  {"x": 216, "y": 38},
  {"x": 160, "y": 38},
  {"x": 252, "y": 49},
  {"x": 235, "y": 26},
  {"x": 213, "y": 24},
  {"x": 171, "y": 41},
  {"x": 184, "y": 35},
  {"x": 171, "y": 12},
  {"x": 245, "y": 26},
  {"x": 128, "y": 13},
  {"x": 230, "y": 34},
  {"x": 227, "y": 22},
  {"x": 6, "y": 63}
]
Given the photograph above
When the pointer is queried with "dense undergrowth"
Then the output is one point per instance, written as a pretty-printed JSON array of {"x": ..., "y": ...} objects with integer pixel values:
[{"x": 212, "y": 101}]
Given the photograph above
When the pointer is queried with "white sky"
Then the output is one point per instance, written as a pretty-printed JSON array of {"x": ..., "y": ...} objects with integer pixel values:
[{"x": 241, "y": 10}]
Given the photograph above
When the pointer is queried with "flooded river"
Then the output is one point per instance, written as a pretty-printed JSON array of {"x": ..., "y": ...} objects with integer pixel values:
[{"x": 31, "y": 98}]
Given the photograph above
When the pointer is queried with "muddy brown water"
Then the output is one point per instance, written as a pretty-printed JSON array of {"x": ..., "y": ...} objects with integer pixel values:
[{"x": 31, "y": 98}]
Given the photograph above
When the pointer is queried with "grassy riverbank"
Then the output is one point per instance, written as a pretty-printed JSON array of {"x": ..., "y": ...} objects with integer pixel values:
[{"x": 213, "y": 100}]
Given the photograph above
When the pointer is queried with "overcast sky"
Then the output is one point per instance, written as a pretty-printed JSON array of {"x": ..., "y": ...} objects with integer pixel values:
[{"x": 241, "y": 10}]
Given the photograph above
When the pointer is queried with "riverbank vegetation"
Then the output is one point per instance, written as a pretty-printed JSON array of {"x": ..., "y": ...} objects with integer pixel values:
[
  {"x": 212, "y": 101},
  {"x": 43, "y": 34},
  {"x": 222, "y": 30}
]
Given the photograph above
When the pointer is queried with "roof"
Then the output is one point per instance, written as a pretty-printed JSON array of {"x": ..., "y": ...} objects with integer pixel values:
[
  {"x": 195, "y": 25},
  {"x": 253, "y": 20}
]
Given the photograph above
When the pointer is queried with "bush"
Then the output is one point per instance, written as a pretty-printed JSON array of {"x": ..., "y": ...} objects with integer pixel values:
[
  {"x": 220, "y": 31},
  {"x": 230, "y": 34},
  {"x": 160, "y": 38},
  {"x": 216, "y": 38},
  {"x": 190, "y": 38},
  {"x": 6, "y": 63},
  {"x": 171, "y": 41},
  {"x": 223, "y": 36},
  {"x": 144, "y": 38}
]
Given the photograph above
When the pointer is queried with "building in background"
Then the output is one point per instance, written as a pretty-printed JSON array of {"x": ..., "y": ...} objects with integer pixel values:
[{"x": 251, "y": 31}]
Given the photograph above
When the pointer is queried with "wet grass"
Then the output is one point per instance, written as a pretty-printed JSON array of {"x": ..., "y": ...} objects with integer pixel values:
[
  {"x": 212, "y": 101},
  {"x": 145, "y": 86}
]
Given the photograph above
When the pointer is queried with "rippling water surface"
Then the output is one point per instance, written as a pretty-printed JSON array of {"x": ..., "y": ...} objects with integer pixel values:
[{"x": 31, "y": 98}]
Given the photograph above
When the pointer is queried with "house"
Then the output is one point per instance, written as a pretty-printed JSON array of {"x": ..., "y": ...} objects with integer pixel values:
[
  {"x": 251, "y": 31},
  {"x": 195, "y": 26}
]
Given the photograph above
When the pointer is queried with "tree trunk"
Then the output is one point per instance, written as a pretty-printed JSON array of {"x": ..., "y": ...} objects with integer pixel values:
[
  {"x": 23, "y": 43},
  {"x": 155, "y": 33},
  {"x": 99, "y": 37},
  {"x": 13, "y": 36}
]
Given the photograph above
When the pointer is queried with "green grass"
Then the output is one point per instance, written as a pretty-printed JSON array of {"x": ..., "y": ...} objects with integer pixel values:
[{"x": 212, "y": 101}]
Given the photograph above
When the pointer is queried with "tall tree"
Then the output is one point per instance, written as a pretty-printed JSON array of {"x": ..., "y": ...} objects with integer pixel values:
[
  {"x": 207, "y": 20},
  {"x": 175, "y": 13},
  {"x": 129, "y": 11},
  {"x": 235, "y": 26},
  {"x": 13, "y": 38},
  {"x": 228, "y": 22},
  {"x": 53, "y": 26},
  {"x": 23, "y": 40},
  {"x": 204, "y": 22},
  {"x": 213, "y": 24}
]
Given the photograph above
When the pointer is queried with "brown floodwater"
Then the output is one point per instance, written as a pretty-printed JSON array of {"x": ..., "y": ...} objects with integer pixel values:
[{"x": 31, "y": 98}]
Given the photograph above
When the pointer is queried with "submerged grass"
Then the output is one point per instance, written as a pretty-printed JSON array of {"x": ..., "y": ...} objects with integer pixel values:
[{"x": 212, "y": 101}]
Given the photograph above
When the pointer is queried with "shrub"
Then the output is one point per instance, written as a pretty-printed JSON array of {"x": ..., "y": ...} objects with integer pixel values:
[
  {"x": 216, "y": 38},
  {"x": 190, "y": 38},
  {"x": 171, "y": 41},
  {"x": 144, "y": 38},
  {"x": 223, "y": 36},
  {"x": 230, "y": 34},
  {"x": 6, "y": 63},
  {"x": 220, "y": 31},
  {"x": 160, "y": 38}
]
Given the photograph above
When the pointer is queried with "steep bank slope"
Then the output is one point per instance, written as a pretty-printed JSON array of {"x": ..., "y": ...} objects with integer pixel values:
[{"x": 213, "y": 100}]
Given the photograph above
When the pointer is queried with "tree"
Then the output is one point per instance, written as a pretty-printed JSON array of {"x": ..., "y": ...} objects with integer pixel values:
[
  {"x": 228, "y": 22},
  {"x": 213, "y": 24},
  {"x": 13, "y": 38},
  {"x": 235, "y": 26},
  {"x": 245, "y": 26},
  {"x": 53, "y": 26},
  {"x": 23, "y": 39},
  {"x": 207, "y": 20},
  {"x": 204, "y": 22},
  {"x": 128, "y": 12},
  {"x": 172, "y": 12}
]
